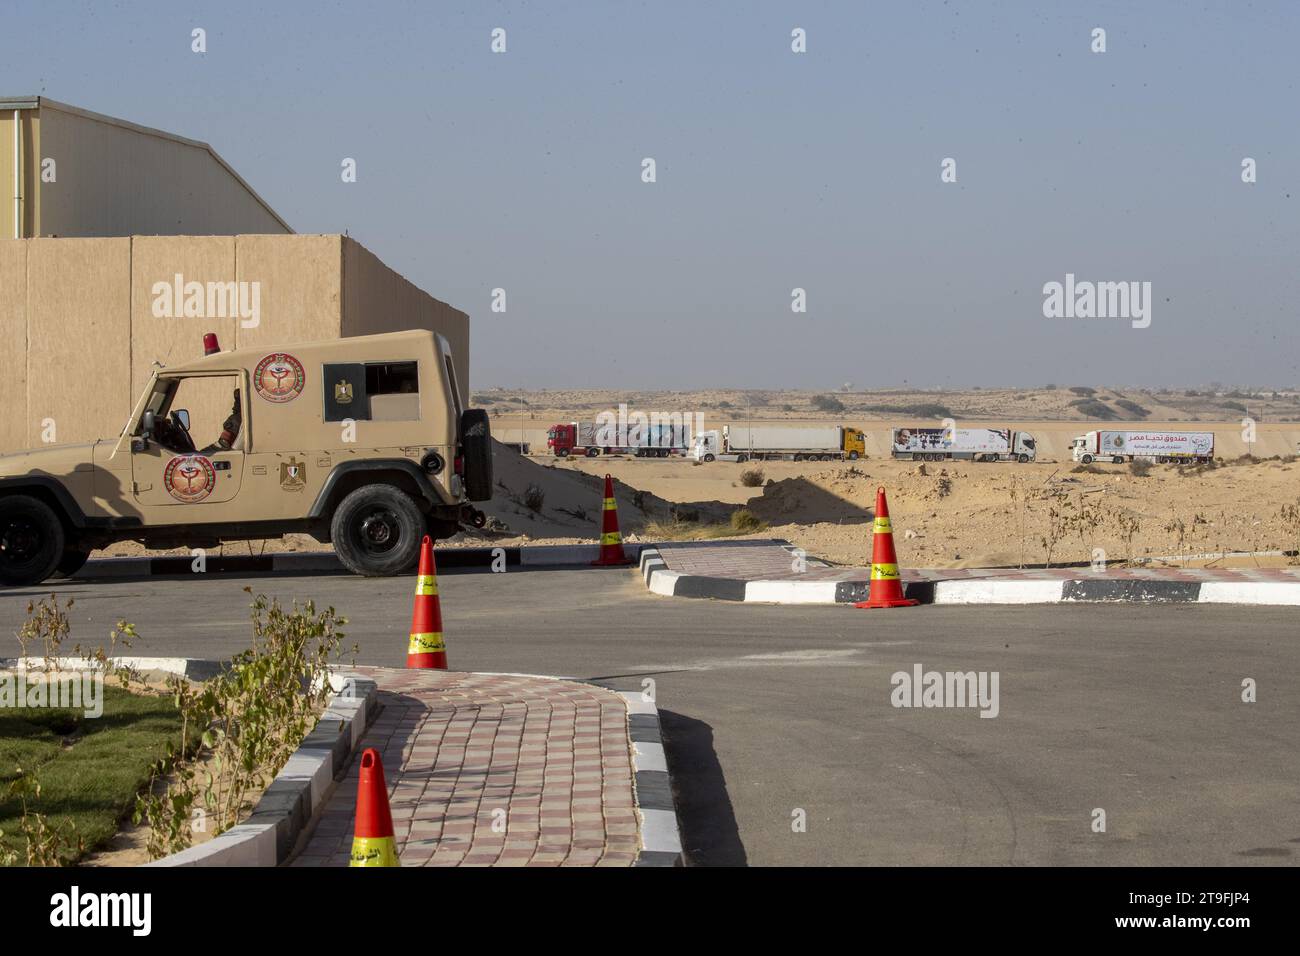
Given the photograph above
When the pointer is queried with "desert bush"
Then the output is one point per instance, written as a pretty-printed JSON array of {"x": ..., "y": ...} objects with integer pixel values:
[
  {"x": 1139, "y": 467},
  {"x": 1092, "y": 408},
  {"x": 752, "y": 478},
  {"x": 1083, "y": 390},
  {"x": 1087, "y": 470},
  {"x": 943, "y": 485},
  {"x": 920, "y": 410},
  {"x": 1132, "y": 407},
  {"x": 827, "y": 403},
  {"x": 534, "y": 497},
  {"x": 744, "y": 521}
]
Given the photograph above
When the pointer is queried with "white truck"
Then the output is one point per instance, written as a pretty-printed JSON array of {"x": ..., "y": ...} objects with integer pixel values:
[
  {"x": 778, "y": 443},
  {"x": 963, "y": 444},
  {"x": 1158, "y": 446}
]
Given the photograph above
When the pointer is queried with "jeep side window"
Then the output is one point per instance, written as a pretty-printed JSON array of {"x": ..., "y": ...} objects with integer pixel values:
[
  {"x": 215, "y": 412},
  {"x": 372, "y": 391}
]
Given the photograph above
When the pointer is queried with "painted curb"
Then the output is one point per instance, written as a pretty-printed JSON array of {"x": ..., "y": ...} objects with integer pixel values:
[
  {"x": 526, "y": 556},
  {"x": 191, "y": 667},
  {"x": 299, "y": 790},
  {"x": 661, "y": 841},
  {"x": 659, "y": 579}
]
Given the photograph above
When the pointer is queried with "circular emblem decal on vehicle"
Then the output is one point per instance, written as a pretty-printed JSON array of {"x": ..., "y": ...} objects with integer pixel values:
[
  {"x": 279, "y": 378},
  {"x": 190, "y": 478}
]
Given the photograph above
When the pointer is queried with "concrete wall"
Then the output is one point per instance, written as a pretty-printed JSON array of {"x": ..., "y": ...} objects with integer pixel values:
[
  {"x": 80, "y": 333},
  {"x": 78, "y": 346}
]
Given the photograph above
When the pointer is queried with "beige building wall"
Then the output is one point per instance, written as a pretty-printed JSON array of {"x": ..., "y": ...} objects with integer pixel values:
[
  {"x": 81, "y": 319},
  {"x": 29, "y": 148},
  {"x": 115, "y": 178}
]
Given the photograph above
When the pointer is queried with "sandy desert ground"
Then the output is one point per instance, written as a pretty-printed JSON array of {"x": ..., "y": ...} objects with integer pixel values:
[{"x": 945, "y": 514}]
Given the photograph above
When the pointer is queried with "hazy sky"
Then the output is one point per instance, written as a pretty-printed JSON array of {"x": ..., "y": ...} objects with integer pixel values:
[{"x": 775, "y": 170}]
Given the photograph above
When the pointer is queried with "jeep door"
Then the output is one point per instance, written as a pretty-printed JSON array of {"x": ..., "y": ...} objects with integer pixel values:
[{"x": 190, "y": 473}]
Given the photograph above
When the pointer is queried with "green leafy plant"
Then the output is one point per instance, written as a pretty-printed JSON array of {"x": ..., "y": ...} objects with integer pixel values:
[{"x": 249, "y": 719}]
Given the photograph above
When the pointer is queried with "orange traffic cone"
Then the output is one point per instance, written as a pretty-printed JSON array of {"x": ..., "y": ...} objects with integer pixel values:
[
  {"x": 373, "y": 843},
  {"x": 426, "y": 649},
  {"x": 886, "y": 586},
  {"x": 611, "y": 541}
]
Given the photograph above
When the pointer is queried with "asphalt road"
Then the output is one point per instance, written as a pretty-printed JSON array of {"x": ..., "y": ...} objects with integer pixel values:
[{"x": 774, "y": 711}]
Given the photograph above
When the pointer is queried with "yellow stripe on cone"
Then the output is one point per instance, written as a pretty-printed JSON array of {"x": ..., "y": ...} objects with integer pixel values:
[
  {"x": 426, "y": 585},
  {"x": 374, "y": 851},
  {"x": 426, "y": 644}
]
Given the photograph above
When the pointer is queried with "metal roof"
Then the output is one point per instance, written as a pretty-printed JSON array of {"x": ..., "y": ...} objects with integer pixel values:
[{"x": 9, "y": 103}]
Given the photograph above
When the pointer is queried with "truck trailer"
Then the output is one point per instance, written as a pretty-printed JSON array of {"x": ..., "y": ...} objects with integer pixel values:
[
  {"x": 1157, "y": 446},
  {"x": 590, "y": 439},
  {"x": 776, "y": 443},
  {"x": 963, "y": 444}
]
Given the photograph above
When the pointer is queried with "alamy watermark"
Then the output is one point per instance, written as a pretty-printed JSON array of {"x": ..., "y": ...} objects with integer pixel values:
[
  {"x": 624, "y": 429},
  {"x": 179, "y": 299},
  {"x": 922, "y": 688},
  {"x": 1073, "y": 299},
  {"x": 62, "y": 690}
]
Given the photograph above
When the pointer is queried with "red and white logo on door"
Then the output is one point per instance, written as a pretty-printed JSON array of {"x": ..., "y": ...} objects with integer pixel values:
[{"x": 190, "y": 478}]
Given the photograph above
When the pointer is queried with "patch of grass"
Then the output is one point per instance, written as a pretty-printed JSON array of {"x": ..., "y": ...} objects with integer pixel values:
[
  {"x": 90, "y": 770},
  {"x": 742, "y": 521}
]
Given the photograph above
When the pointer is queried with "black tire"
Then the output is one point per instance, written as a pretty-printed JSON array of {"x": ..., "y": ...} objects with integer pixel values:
[
  {"x": 708, "y": 458},
  {"x": 476, "y": 449},
  {"x": 1117, "y": 460},
  {"x": 73, "y": 560},
  {"x": 1023, "y": 459},
  {"x": 31, "y": 540},
  {"x": 562, "y": 453},
  {"x": 1086, "y": 459},
  {"x": 376, "y": 531},
  {"x": 853, "y": 456}
]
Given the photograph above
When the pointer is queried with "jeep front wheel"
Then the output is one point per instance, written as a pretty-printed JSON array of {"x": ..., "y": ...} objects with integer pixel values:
[
  {"x": 376, "y": 531},
  {"x": 31, "y": 540},
  {"x": 73, "y": 560}
]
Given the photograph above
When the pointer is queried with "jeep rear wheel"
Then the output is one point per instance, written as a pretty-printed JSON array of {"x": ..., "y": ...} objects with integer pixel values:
[
  {"x": 31, "y": 540},
  {"x": 376, "y": 531},
  {"x": 476, "y": 447}
]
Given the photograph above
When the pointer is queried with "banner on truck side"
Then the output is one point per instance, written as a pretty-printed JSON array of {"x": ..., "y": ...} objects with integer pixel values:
[
  {"x": 1199, "y": 444},
  {"x": 986, "y": 441}
]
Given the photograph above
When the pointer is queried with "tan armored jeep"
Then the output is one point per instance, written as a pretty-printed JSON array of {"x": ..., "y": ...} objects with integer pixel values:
[{"x": 361, "y": 442}]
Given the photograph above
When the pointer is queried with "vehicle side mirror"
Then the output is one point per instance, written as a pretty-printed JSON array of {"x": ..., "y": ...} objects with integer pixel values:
[
  {"x": 182, "y": 416},
  {"x": 147, "y": 423}
]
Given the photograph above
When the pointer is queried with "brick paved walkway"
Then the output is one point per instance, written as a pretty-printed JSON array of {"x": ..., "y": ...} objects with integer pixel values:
[
  {"x": 772, "y": 560},
  {"x": 493, "y": 770}
]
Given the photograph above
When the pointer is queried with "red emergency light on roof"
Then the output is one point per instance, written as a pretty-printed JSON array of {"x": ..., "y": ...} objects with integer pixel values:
[{"x": 210, "y": 346}]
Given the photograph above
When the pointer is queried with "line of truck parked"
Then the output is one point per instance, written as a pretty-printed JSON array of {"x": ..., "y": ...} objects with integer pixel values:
[{"x": 741, "y": 443}]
